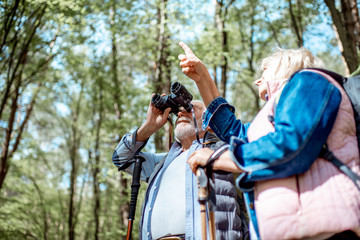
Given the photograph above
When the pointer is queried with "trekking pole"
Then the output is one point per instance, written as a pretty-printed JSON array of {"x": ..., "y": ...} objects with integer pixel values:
[
  {"x": 202, "y": 198},
  {"x": 211, "y": 223},
  {"x": 211, "y": 203},
  {"x": 134, "y": 193}
]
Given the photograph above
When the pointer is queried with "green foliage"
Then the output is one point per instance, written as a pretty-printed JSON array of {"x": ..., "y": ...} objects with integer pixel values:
[{"x": 86, "y": 56}]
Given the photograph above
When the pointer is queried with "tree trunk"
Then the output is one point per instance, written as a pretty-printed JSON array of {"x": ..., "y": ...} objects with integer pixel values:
[
  {"x": 114, "y": 63},
  {"x": 271, "y": 26},
  {"x": 162, "y": 79},
  {"x": 220, "y": 16},
  {"x": 74, "y": 147},
  {"x": 251, "y": 61},
  {"x": 73, "y": 175},
  {"x": 124, "y": 207},
  {"x": 43, "y": 208},
  {"x": 224, "y": 61},
  {"x": 346, "y": 26},
  {"x": 215, "y": 76},
  {"x": 96, "y": 167},
  {"x": 61, "y": 229},
  {"x": 248, "y": 76},
  {"x": 296, "y": 22},
  {"x": 8, "y": 23},
  {"x": 19, "y": 56},
  {"x": 16, "y": 63},
  {"x": 4, "y": 164},
  {"x": 219, "y": 23},
  {"x": 96, "y": 187}
]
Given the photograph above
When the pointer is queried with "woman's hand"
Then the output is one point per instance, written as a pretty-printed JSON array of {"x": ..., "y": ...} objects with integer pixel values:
[
  {"x": 194, "y": 68},
  {"x": 191, "y": 65}
]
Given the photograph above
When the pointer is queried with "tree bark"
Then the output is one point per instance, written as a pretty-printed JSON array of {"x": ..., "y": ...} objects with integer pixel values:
[
  {"x": 8, "y": 23},
  {"x": 73, "y": 153},
  {"x": 13, "y": 72},
  {"x": 96, "y": 167},
  {"x": 125, "y": 207},
  {"x": 4, "y": 164},
  {"x": 162, "y": 79},
  {"x": 296, "y": 23},
  {"x": 114, "y": 63},
  {"x": 221, "y": 15},
  {"x": 249, "y": 41},
  {"x": 14, "y": 76},
  {"x": 345, "y": 25},
  {"x": 43, "y": 208}
]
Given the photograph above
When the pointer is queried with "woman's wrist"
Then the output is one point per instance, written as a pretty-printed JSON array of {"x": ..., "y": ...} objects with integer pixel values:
[
  {"x": 216, "y": 154},
  {"x": 207, "y": 89},
  {"x": 225, "y": 163}
]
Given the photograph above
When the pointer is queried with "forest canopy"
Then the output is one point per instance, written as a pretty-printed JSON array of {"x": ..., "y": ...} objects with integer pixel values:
[{"x": 76, "y": 75}]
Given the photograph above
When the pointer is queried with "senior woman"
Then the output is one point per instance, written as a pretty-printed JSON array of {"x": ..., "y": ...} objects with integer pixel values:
[{"x": 290, "y": 192}]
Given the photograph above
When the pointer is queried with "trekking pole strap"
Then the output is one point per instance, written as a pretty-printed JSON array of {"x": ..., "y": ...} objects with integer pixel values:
[{"x": 216, "y": 155}]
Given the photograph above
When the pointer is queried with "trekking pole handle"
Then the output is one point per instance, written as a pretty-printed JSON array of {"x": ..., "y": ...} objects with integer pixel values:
[
  {"x": 202, "y": 185},
  {"x": 135, "y": 186}
]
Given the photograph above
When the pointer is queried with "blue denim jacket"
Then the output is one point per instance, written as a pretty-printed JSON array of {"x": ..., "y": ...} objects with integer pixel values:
[{"x": 303, "y": 119}]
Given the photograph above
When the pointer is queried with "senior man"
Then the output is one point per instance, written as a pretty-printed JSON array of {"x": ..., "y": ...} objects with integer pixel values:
[{"x": 171, "y": 209}]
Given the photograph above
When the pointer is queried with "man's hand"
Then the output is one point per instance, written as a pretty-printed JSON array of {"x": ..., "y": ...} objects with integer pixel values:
[
  {"x": 224, "y": 162},
  {"x": 155, "y": 119},
  {"x": 192, "y": 66},
  {"x": 199, "y": 158}
]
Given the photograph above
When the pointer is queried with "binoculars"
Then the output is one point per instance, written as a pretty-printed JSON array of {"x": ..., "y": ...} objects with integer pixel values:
[{"x": 179, "y": 97}]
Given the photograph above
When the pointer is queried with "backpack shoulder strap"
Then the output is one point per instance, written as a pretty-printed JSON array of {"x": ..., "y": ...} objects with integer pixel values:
[
  {"x": 339, "y": 78},
  {"x": 328, "y": 155}
]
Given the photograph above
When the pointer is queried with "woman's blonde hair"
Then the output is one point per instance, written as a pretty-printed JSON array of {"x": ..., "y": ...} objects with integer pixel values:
[{"x": 284, "y": 62}]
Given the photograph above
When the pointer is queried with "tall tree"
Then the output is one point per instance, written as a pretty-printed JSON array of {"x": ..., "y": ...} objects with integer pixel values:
[
  {"x": 114, "y": 65},
  {"x": 347, "y": 28},
  {"x": 19, "y": 48},
  {"x": 221, "y": 12},
  {"x": 296, "y": 20},
  {"x": 247, "y": 39},
  {"x": 96, "y": 162},
  {"x": 74, "y": 145},
  {"x": 118, "y": 23},
  {"x": 162, "y": 80}
]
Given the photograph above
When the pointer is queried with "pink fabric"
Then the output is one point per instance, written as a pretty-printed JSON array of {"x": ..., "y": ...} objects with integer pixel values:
[{"x": 320, "y": 202}]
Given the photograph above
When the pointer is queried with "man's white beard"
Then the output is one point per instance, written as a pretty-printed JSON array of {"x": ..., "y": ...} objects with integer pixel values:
[{"x": 186, "y": 130}]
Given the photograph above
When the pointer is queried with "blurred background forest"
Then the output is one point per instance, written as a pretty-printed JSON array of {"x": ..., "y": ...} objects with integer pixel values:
[{"x": 76, "y": 75}]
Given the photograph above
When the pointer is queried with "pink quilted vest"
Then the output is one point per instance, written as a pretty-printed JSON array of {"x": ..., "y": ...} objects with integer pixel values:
[{"x": 319, "y": 202}]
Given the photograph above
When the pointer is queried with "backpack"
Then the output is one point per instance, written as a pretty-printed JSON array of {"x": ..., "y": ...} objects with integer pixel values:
[{"x": 351, "y": 85}]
